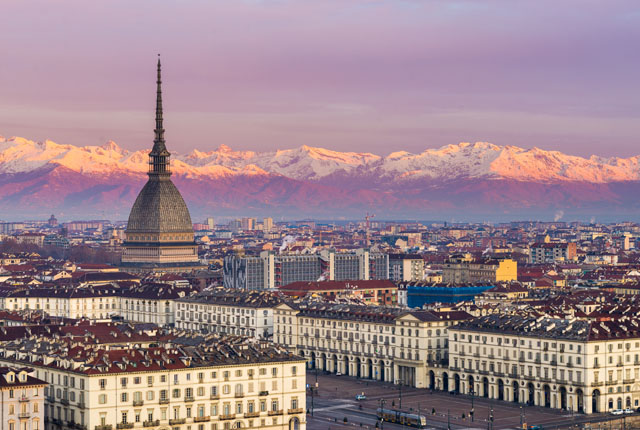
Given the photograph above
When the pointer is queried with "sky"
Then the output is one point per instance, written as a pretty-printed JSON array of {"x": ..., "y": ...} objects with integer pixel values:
[{"x": 351, "y": 75}]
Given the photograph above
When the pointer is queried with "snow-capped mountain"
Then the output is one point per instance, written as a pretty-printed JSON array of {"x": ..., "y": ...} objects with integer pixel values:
[{"x": 309, "y": 180}]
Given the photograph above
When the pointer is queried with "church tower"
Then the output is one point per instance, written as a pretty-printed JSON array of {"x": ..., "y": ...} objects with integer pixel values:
[{"x": 159, "y": 234}]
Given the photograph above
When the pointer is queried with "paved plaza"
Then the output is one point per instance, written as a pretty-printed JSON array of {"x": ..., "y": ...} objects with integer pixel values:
[{"x": 335, "y": 401}]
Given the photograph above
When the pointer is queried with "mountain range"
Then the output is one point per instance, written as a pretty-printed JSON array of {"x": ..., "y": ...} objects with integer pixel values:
[{"x": 467, "y": 181}]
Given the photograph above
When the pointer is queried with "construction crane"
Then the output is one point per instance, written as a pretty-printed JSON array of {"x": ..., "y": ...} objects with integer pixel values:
[{"x": 367, "y": 218}]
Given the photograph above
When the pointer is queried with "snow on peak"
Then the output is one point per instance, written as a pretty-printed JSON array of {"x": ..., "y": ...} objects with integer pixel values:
[{"x": 480, "y": 159}]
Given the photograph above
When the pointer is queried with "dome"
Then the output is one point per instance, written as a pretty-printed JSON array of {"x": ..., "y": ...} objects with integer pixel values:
[{"x": 159, "y": 208}]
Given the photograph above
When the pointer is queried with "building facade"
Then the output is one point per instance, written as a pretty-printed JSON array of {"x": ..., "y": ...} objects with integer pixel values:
[
  {"x": 159, "y": 234},
  {"x": 21, "y": 399},
  {"x": 217, "y": 386},
  {"x": 576, "y": 365},
  {"x": 374, "y": 342}
]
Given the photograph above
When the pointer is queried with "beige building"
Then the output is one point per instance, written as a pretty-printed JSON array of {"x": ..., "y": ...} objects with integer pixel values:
[
  {"x": 574, "y": 365},
  {"x": 461, "y": 269},
  {"x": 21, "y": 399},
  {"x": 228, "y": 312},
  {"x": 218, "y": 385},
  {"x": 374, "y": 342}
]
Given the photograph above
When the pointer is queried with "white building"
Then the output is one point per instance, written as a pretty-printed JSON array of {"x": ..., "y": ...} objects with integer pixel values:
[
  {"x": 21, "y": 399},
  {"x": 228, "y": 312},
  {"x": 374, "y": 342},
  {"x": 578, "y": 365},
  {"x": 218, "y": 385}
]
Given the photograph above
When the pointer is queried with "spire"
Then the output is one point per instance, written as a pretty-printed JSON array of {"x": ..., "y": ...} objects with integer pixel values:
[
  {"x": 158, "y": 142},
  {"x": 159, "y": 156}
]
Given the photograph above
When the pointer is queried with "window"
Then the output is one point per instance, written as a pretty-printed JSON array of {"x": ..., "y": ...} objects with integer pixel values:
[
  {"x": 102, "y": 399},
  {"x": 123, "y": 397}
]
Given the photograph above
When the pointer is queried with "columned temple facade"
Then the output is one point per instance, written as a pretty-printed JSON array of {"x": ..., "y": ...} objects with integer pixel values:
[{"x": 159, "y": 234}]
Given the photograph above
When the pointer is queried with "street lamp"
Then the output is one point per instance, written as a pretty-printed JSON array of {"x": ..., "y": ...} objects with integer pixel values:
[
  {"x": 382, "y": 402},
  {"x": 472, "y": 409}
]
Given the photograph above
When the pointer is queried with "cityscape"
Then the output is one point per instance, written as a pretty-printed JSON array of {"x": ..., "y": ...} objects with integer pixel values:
[{"x": 331, "y": 271}]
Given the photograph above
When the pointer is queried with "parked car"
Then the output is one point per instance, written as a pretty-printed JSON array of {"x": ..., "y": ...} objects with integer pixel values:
[
  {"x": 338, "y": 373},
  {"x": 628, "y": 411},
  {"x": 361, "y": 397},
  {"x": 617, "y": 412}
]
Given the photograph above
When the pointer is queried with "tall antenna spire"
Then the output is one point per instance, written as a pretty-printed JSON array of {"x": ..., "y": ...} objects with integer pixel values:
[
  {"x": 159, "y": 165},
  {"x": 159, "y": 131}
]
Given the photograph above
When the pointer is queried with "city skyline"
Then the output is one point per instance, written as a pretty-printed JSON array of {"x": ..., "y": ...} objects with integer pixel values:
[{"x": 364, "y": 76}]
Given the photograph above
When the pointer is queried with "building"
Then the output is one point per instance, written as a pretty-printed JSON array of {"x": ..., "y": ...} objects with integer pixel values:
[
  {"x": 159, "y": 234},
  {"x": 371, "y": 292},
  {"x": 271, "y": 270},
  {"x": 228, "y": 312},
  {"x": 418, "y": 294},
  {"x": 36, "y": 239},
  {"x": 577, "y": 365},
  {"x": 21, "y": 399},
  {"x": 465, "y": 269},
  {"x": 375, "y": 342},
  {"x": 213, "y": 384},
  {"x": 152, "y": 302},
  {"x": 552, "y": 252},
  {"x": 406, "y": 267}
]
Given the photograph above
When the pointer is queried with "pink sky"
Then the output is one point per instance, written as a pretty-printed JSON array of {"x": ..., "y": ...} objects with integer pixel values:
[{"x": 361, "y": 75}]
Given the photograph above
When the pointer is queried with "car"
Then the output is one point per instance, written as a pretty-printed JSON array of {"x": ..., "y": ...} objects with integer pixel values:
[
  {"x": 535, "y": 427},
  {"x": 617, "y": 412},
  {"x": 338, "y": 373},
  {"x": 628, "y": 411},
  {"x": 361, "y": 397}
]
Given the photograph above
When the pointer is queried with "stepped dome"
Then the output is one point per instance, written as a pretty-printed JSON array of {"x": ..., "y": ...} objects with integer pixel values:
[{"x": 159, "y": 208}]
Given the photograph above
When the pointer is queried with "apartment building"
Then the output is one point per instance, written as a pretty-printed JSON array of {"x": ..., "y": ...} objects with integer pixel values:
[
  {"x": 271, "y": 270},
  {"x": 374, "y": 342},
  {"x": 153, "y": 302},
  {"x": 552, "y": 252},
  {"x": 228, "y": 312},
  {"x": 406, "y": 267},
  {"x": 576, "y": 365},
  {"x": 148, "y": 302},
  {"x": 466, "y": 269},
  {"x": 218, "y": 385},
  {"x": 21, "y": 399}
]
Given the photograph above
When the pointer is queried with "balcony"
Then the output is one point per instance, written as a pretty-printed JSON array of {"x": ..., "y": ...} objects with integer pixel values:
[
  {"x": 138, "y": 403},
  {"x": 263, "y": 393},
  {"x": 50, "y": 399},
  {"x": 124, "y": 425},
  {"x": 201, "y": 419},
  {"x": 153, "y": 423},
  {"x": 214, "y": 397},
  {"x": 295, "y": 411},
  {"x": 628, "y": 381},
  {"x": 23, "y": 399},
  {"x": 239, "y": 395},
  {"x": 188, "y": 398},
  {"x": 103, "y": 427},
  {"x": 81, "y": 405},
  {"x": 24, "y": 415},
  {"x": 64, "y": 402},
  {"x": 619, "y": 364},
  {"x": 611, "y": 382},
  {"x": 272, "y": 413},
  {"x": 597, "y": 384},
  {"x": 252, "y": 414},
  {"x": 177, "y": 421},
  {"x": 163, "y": 401},
  {"x": 224, "y": 417}
]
